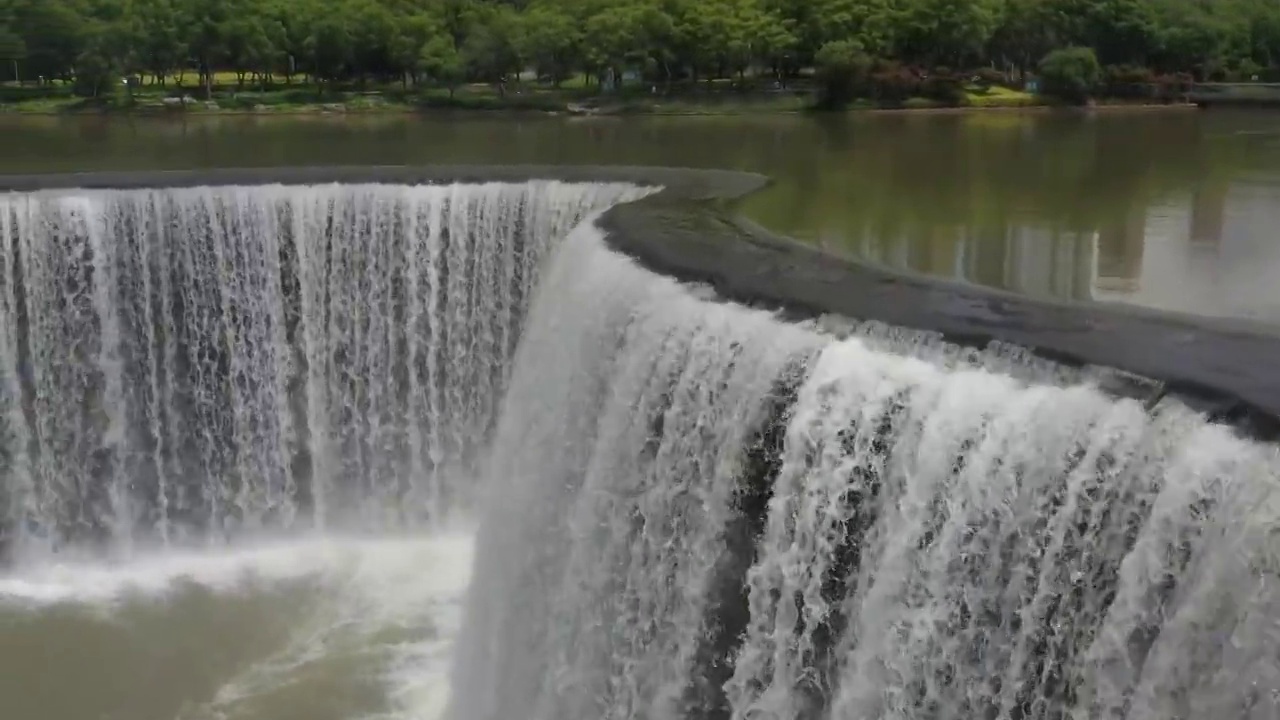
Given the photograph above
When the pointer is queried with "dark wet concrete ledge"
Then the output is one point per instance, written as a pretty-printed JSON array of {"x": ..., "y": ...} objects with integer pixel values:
[{"x": 1225, "y": 368}]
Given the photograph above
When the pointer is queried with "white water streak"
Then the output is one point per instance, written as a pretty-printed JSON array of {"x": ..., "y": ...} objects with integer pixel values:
[
  {"x": 210, "y": 362},
  {"x": 952, "y": 535}
]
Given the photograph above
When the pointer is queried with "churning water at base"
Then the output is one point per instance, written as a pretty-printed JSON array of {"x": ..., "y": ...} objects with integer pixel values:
[
  {"x": 316, "y": 629},
  {"x": 698, "y": 511},
  {"x": 235, "y": 424}
]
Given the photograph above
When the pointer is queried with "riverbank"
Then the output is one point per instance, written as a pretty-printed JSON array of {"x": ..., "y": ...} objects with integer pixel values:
[
  {"x": 1045, "y": 107},
  {"x": 152, "y": 100}
]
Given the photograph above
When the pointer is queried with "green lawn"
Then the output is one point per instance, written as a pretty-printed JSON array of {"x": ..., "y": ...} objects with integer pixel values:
[{"x": 997, "y": 96}]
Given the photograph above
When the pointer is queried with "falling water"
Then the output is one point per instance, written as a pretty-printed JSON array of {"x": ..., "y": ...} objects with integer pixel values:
[
  {"x": 202, "y": 363},
  {"x": 696, "y": 510},
  {"x": 690, "y": 509}
]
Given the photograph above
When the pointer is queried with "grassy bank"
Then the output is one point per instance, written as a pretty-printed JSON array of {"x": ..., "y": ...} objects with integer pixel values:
[{"x": 229, "y": 97}]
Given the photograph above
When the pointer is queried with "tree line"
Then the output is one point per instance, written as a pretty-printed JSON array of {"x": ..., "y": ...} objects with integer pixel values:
[{"x": 445, "y": 43}]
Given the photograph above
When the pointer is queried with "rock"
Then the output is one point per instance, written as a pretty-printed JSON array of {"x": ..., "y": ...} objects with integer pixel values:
[
  {"x": 211, "y": 105},
  {"x": 173, "y": 102},
  {"x": 333, "y": 107}
]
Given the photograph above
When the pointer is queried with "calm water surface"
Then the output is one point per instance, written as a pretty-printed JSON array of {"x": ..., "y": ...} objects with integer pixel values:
[{"x": 1169, "y": 209}]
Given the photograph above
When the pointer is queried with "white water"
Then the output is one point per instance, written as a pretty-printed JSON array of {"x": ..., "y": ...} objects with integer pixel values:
[
  {"x": 204, "y": 363},
  {"x": 952, "y": 535},
  {"x": 339, "y": 628},
  {"x": 238, "y": 434},
  {"x": 237, "y": 423}
]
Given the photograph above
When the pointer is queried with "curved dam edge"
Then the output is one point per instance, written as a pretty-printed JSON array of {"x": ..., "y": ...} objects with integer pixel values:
[{"x": 1222, "y": 367}]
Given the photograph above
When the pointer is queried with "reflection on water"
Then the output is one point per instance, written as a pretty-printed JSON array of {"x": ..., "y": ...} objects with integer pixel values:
[
  {"x": 1213, "y": 252},
  {"x": 1168, "y": 209}
]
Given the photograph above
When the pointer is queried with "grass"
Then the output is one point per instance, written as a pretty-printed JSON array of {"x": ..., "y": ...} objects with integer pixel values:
[
  {"x": 997, "y": 96},
  {"x": 921, "y": 103},
  {"x": 575, "y": 94},
  {"x": 44, "y": 106},
  {"x": 717, "y": 98},
  {"x": 736, "y": 104},
  {"x": 527, "y": 97}
]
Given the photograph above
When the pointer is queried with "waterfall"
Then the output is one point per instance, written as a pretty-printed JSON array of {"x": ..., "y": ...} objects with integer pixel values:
[
  {"x": 696, "y": 510},
  {"x": 689, "y": 509},
  {"x": 191, "y": 364}
]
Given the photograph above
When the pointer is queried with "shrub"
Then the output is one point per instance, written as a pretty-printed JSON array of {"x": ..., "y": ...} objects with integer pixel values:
[
  {"x": 1173, "y": 87},
  {"x": 988, "y": 77},
  {"x": 1005, "y": 101},
  {"x": 920, "y": 103},
  {"x": 1130, "y": 74},
  {"x": 1071, "y": 74},
  {"x": 892, "y": 83},
  {"x": 1215, "y": 71},
  {"x": 1247, "y": 70},
  {"x": 1127, "y": 81},
  {"x": 944, "y": 87},
  {"x": 843, "y": 67}
]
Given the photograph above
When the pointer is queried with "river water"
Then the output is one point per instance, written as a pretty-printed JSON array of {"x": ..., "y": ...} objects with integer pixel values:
[
  {"x": 245, "y": 433},
  {"x": 328, "y": 628}
]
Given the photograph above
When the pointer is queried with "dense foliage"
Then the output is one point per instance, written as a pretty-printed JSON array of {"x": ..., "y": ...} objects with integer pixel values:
[
  {"x": 1071, "y": 73},
  {"x": 444, "y": 43}
]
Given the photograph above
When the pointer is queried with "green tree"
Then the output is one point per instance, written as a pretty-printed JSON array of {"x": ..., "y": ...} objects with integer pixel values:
[
  {"x": 1121, "y": 31},
  {"x": 1071, "y": 73},
  {"x": 551, "y": 39},
  {"x": 626, "y": 36},
  {"x": 1026, "y": 32},
  {"x": 1200, "y": 39},
  {"x": 328, "y": 47},
  {"x": 209, "y": 27},
  {"x": 490, "y": 52},
  {"x": 871, "y": 23},
  {"x": 332, "y": 41},
  {"x": 108, "y": 56},
  {"x": 161, "y": 46},
  {"x": 408, "y": 38},
  {"x": 13, "y": 49},
  {"x": 441, "y": 61},
  {"x": 295, "y": 17},
  {"x": 1263, "y": 23},
  {"x": 54, "y": 33},
  {"x": 373, "y": 32},
  {"x": 255, "y": 45},
  {"x": 945, "y": 32},
  {"x": 843, "y": 68},
  {"x": 777, "y": 44}
]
